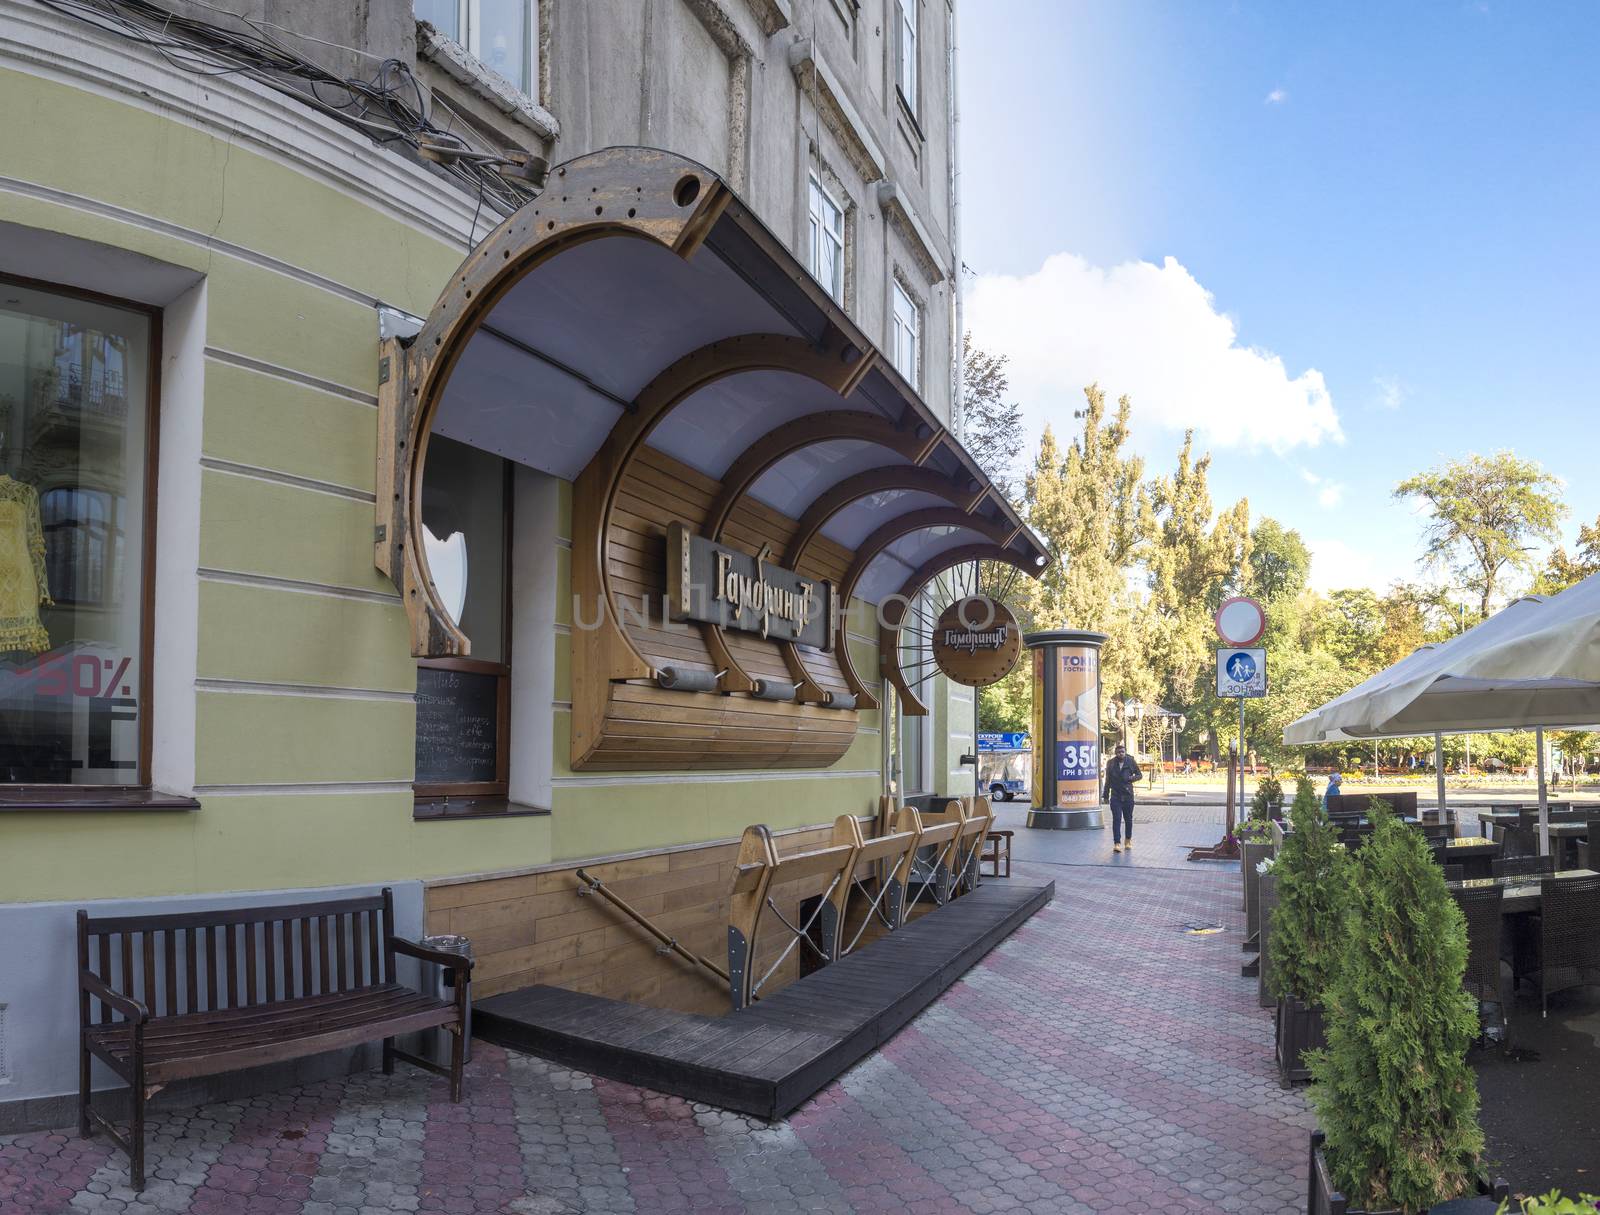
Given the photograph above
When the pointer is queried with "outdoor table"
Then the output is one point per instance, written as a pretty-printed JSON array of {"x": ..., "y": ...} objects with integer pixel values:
[
  {"x": 1473, "y": 853},
  {"x": 1523, "y": 893}
]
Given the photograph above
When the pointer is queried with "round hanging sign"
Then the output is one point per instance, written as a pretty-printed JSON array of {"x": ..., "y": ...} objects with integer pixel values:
[
  {"x": 976, "y": 641},
  {"x": 1241, "y": 621}
]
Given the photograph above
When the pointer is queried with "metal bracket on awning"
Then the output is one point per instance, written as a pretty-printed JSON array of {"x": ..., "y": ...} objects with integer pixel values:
[{"x": 392, "y": 323}]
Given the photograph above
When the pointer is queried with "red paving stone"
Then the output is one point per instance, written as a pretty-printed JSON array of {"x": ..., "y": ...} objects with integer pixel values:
[{"x": 1099, "y": 1061}]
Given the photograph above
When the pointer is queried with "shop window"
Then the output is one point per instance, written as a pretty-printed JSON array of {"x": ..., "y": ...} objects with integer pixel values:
[
  {"x": 500, "y": 34},
  {"x": 463, "y": 704},
  {"x": 906, "y": 53},
  {"x": 826, "y": 230},
  {"x": 76, "y": 517},
  {"x": 905, "y": 344}
]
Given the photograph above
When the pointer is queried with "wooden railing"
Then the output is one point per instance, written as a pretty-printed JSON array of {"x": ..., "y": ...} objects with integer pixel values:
[{"x": 863, "y": 882}]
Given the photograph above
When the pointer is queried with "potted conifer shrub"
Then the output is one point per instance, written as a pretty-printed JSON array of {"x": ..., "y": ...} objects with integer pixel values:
[
  {"x": 1313, "y": 879},
  {"x": 1267, "y": 893},
  {"x": 1255, "y": 839},
  {"x": 1397, "y": 1103}
]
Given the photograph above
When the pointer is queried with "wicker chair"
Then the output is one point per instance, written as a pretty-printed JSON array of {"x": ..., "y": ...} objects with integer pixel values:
[
  {"x": 1587, "y": 851},
  {"x": 1524, "y": 866},
  {"x": 1481, "y": 907},
  {"x": 1519, "y": 841},
  {"x": 1569, "y": 935},
  {"x": 1454, "y": 873}
]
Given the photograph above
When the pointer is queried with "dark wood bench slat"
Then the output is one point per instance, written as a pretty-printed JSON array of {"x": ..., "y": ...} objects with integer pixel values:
[
  {"x": 170, "y": 939},
  {"x": 322, "y": 955},
  {"x": 234, "y": 915},
  {"x": 198, "y": 1025},
  {"x": 270, "y": 950},
  {"x": 339, "y": 931},
  {"x": 229, "y": 1032},
  {"x": 373, "y": 930},
  {"x": 253, "y": 1055},
  {"x": 308, "y": 982}
]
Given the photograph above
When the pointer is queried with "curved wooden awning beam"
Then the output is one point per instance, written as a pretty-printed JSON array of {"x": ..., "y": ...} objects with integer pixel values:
[
  {"x": 876, "y": 481},
  {"x": 891, "y": 612},
  {"x": 913, "y": 444},
  {"x": 962, "y": 493},
  {"x": 641, "y": 193}
]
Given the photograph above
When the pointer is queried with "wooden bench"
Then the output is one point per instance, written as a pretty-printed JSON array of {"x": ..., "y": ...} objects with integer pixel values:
[
  {"x": 206, "y": 992},
  {"x": 997, "y": 848}
]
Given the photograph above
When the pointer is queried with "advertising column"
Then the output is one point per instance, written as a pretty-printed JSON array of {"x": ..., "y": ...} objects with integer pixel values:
[{"x": 1066, "y": 718}]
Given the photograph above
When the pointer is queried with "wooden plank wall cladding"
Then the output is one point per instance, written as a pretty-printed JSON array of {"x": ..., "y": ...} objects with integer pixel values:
[
  {"x": 641, "y": 726},
  {"x": 534, "y": 928}
]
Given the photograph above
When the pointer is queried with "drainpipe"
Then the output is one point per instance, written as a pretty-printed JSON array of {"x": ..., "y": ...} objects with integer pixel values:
[{"x": 958, "y": 403}]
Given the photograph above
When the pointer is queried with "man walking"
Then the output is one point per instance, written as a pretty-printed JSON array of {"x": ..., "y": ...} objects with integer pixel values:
[{"x": 1122, "y": 774}]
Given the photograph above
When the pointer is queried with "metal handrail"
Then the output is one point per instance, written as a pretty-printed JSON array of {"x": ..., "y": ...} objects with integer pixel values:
[{"x": 669, "y": 944}]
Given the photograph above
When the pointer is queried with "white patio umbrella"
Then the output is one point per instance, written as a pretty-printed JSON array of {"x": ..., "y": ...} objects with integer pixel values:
[{"x": 1533, "y": 665}]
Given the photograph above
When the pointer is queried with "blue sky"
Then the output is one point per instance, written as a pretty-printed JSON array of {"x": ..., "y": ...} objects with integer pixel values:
[{"x": 1397, "y": 201}]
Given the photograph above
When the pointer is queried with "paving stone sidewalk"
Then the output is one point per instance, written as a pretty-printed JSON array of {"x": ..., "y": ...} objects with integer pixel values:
[{"x": 1100, "y": 1060}]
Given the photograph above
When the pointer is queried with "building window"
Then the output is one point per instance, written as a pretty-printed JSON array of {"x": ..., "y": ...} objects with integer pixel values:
[
  {"x": 827, "y": 240},
  {"x": 906, "y": 53},
  {"x": 906, "y": 339},
  {"x": 76, "y": 513},
  {"x": 500, "y": 34},
  {"x": 463, "y": 704}
]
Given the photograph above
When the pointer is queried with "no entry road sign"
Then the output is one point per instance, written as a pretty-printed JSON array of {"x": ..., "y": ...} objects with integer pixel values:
[{"x": 1240, "y": 621}]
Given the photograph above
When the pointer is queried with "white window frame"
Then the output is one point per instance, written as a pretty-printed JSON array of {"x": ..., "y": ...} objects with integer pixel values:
[
  {"x": 905, "y": 342},
  {"x": 823, "y": 234},
  {"x": 469, "y": 14},
  {"x": 905, "y": 74}
]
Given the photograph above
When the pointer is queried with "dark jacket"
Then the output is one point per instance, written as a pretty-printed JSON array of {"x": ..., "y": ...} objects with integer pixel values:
[{"x": 1122, "y": 774}]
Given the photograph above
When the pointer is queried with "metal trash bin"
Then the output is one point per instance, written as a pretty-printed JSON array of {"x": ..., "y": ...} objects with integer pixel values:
[{"x": 440, "y": 983}]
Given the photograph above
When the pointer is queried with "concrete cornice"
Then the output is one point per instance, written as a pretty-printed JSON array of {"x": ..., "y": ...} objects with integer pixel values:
[
  {"x": 892, "y": 200},
  {"x": 450, "y": 57},
  {"x": 841, "y": 116}
]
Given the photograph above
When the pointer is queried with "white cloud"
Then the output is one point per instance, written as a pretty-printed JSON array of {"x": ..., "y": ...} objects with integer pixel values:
[
  {"x": 1336, "y": 565},
  {"x": 1277, "y": 97},
  {"x": 1154, "y": 333},
  {"x": 1329, "y": 493},
  {"x": 1391, "y": 393}
]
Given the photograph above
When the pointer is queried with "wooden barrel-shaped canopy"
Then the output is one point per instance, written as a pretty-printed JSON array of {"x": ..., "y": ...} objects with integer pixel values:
[{"x": 637, "y": 331}]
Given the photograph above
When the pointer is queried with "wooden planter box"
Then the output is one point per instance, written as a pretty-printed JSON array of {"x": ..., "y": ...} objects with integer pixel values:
[
  {"x": 1253, "y": 853},
  {"x": 1268, "y": 896},
  {"x": 1299, "y": 1030},
  {"x": 1323, "y": 1199}
]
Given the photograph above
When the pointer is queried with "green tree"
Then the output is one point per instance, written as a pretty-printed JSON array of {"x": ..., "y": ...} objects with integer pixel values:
[
  {"x": 1280, "y": 562},
  {"x": 1313, "y": 893},
  {"x": 1577, "y": 748},
  {"x": 1561, "y": 571},
  {"x": 1194, "y": 561},
  {"x": 1088, "y": 505},
  {"x": 1352, "y": 627},
  {"x": 991, "y": 425},
  {"x": 1485, "y": 514},
  {"x": 1393, "y": 1091},
  {"x": 1008, "y": 703}
]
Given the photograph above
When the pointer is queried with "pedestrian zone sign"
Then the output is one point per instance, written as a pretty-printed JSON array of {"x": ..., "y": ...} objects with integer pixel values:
[{"x": 1241, "y": 673}]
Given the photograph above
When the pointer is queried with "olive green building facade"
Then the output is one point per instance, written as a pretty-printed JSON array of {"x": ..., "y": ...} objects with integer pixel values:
[{"x": 267, "y": 740}]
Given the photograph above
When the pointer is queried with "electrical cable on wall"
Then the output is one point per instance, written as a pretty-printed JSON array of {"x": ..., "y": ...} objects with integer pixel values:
[{"x": 390, "y": 107}]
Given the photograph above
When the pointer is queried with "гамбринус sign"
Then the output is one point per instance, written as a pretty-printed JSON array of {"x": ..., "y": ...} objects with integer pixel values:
[
  {"x": 976, "y": 641},
  {"x": 714, "y": 584}
]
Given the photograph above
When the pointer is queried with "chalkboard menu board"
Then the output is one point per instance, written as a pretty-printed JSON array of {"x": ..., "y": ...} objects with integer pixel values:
[{"x": 458, "y": 727}]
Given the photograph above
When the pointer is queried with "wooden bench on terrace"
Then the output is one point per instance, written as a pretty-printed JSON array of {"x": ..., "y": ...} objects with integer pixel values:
[{"x": 206, "y": 992}]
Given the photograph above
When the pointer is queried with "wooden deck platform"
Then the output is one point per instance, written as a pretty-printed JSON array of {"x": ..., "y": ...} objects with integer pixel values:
[{"x": 767, "y": 1059}]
